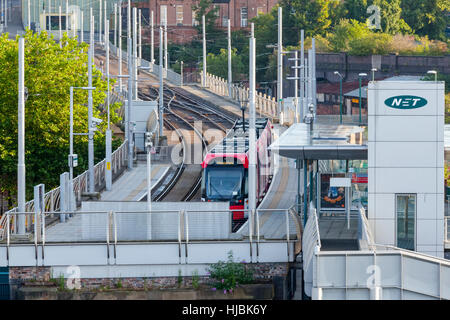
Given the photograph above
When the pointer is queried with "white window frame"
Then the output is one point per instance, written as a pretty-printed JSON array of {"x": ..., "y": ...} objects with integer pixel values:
[
  {"x": 179, "y": 20},
  {"x": 244, "y": 22}
]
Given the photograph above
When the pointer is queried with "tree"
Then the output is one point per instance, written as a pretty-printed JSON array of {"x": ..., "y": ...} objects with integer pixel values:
[
  {"x": 218, "y": 64},
  {"x": 391, "y": 20},
  {"x": 49, "y": 73},
  {"x": 346, "y": 31},
  {"x": 427, "y": 17},
  {"x": 356, "y": 9}
]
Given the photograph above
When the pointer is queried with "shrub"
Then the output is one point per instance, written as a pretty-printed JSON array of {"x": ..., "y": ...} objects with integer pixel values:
[
  {"x": 374, "y": 43},
  {"x": 195, "y": 279},
  {"x": 230, "y": 274}
]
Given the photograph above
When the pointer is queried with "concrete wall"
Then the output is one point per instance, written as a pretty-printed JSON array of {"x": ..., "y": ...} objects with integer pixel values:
[{"x": 406, "y": 155}]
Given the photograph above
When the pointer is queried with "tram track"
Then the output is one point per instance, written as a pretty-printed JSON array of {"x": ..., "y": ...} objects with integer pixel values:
[{"x": 179, "y": 113}]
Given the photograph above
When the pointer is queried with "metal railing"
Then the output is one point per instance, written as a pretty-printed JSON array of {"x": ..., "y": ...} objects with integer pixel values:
[
  {"x": 264, "y": 104},
  {"x": 310, "y": 244}
]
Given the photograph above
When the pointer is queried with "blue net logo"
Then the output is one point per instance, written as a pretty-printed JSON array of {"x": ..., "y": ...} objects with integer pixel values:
[{"x": 405, "y": 102}]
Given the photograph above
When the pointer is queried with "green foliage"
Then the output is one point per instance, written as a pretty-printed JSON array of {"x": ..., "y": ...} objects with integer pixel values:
[
  {"x": 61, "y": 282},
  {"x": 373, "y": 43},
  {"x": 180, "y": 278},
  {"x": 228, "y": 275},
  {"x": 218, "y": 64},
  {"x": 346, "y": 31},
  {"x": 427, "y": 17},
  {"x": 391, "y": 20},
  {"x": 119, "y": 284},
  {"x": 49, "y": 73}
]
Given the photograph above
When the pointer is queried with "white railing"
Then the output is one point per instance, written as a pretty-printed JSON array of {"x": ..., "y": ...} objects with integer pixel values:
[
  {"x": 310, "y": 245},
  {"x": 364, "y": 233},
  {"x": 264, "y": 104},
  {"x": 183, "y": 228},
  {"x": 80, "y": 185}
]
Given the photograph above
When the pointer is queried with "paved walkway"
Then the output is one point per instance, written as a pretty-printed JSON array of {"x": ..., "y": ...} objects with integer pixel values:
[{"x": 132, "y": 186}]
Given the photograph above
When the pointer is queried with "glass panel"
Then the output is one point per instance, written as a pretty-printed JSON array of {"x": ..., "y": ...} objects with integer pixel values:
[{"x": 406, "y": 210}]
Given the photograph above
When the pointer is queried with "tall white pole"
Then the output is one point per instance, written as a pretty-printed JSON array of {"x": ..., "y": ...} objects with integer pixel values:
[
  {"x": 130, "y": 103},
  {"x": 296, "y": 120},
  {"x": 313, "y": 75},
  {"x": 120, "y": 48},
  {"x": 60, "y": 26},
  {"x": 6, "y": 13},
  {"x": 252, "y": 130},
  {"x": 29, "y": 15},
  {"x": 230, "y": 77},
  {"x": 49, "y": 17},
  {"x": 152, "y": 44},
  {"x": 204, "y": 51},
  {"x": 90, "y": 110},
  {"x": 280, "y": 63},
  {"x": 140, "y": 37},
  {"x": 302, "y": 76},
  {"x": 82, "y": 27},
  {"x": 149, "y": 180},
  {"x": 21, "y": 138},
  {"x": 115, "y": 25},
  {"x": 135, "y": 86},
  {"x": 161, "y": 83},
  {"x": 108, "y": 172},
  {"x": 166, "y": 62},
  {"x": 67, "y": 17},
  {"x": 129, "y": 19}
]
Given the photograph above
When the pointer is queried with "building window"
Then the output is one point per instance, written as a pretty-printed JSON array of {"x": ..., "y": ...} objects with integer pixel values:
[
  {"x": 260, "y": 10},
  {"x": 163, "y": 15},
  {"x": 244, "y": 15},
  {"x": 406, "y": 216},
  {"x": 179, "y": 15}
]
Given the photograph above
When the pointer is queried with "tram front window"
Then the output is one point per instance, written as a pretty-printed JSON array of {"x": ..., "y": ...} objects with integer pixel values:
[{"x": 224, "y": 183}]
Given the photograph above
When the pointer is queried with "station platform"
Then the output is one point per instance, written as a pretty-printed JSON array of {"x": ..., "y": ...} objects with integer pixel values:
[{"x": 132, "y": 185}]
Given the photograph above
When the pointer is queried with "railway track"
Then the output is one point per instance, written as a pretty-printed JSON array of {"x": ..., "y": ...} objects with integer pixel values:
[{"x": 180, "y": 114}]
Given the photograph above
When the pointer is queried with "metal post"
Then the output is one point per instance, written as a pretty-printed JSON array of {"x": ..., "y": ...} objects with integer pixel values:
[
  {"x": 296, "y": 87},
  {"x": 181, "y": 73},
  {"x": 49, "y": 12},
  {"x": 129, "y": 19},
  {"x": 100, "y": 22},
  {"x": 166, "y": 61},
  {"x": 313, "y": 76},
  {"x": 340, "y": 99},
  {"x": 230, "y": 78},
  {"x": 359, "y": 100},
  {"x": 106, "y": 36},
  {"x": 140, "y": 37},
  {"x": 29, "y": 15},
  {"x": 82, "y": 27},
  {"x": 120, "y": 54},
  {"x": 134, "y": 57},
  {"x": 280, "y": 62},
  {"x": 67, "y": 17},
  {"x": 204, "y": 51},
  {"x": 108, "y": 136},
  {"x": 152, "y": 48},
  {"x": 161, "y": 83},
  {"x": 90, "y": 111},
  {"x": 252, "y": 130},
  {"x": 21, "y": 138},
  {"x": 130, "y": 103},
  {"x": 71, "y": 151},
  {"x": 305, "y": 191},
  {"x": 60, "y": 27}
]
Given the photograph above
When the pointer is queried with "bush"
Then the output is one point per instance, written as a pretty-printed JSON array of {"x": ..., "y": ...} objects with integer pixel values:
[
  {"x": 374, "y": 43},
  {"x": 228, "y": 275}
]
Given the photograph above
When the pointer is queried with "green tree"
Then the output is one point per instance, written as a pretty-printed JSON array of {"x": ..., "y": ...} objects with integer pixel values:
[
  {"x": 49, "y": 73},
  {"x": 346, "y": 31},
  {"x": 391, "y": 16},
  {"x": 356, "y": 9},
  {"x": 218, "y": 64},
  {"x": 427, "y": 17}
]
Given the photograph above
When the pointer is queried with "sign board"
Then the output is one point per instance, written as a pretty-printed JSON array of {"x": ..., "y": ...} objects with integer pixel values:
[
  {"x": 340, "y": 182},
  {"x": 355, "y": 100},
  {"x": 108, "y": 165},
  {"x": 405, "y": 102}
]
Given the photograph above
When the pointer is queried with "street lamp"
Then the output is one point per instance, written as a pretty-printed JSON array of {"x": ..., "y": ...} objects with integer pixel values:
[
  {"x": 361, "y": 75},
  {"x": 373, "y": 73},
  {"x": 73, "y": 158},
  {"x": 433, "y": 72},
  {"x": 150, "y": 150},
  {"x": 340, "y": 95},
  {"x": 242, "y": 103}
]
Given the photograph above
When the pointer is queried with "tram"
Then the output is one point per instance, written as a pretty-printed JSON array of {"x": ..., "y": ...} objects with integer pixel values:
[{"x": 225, "y": 167}]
